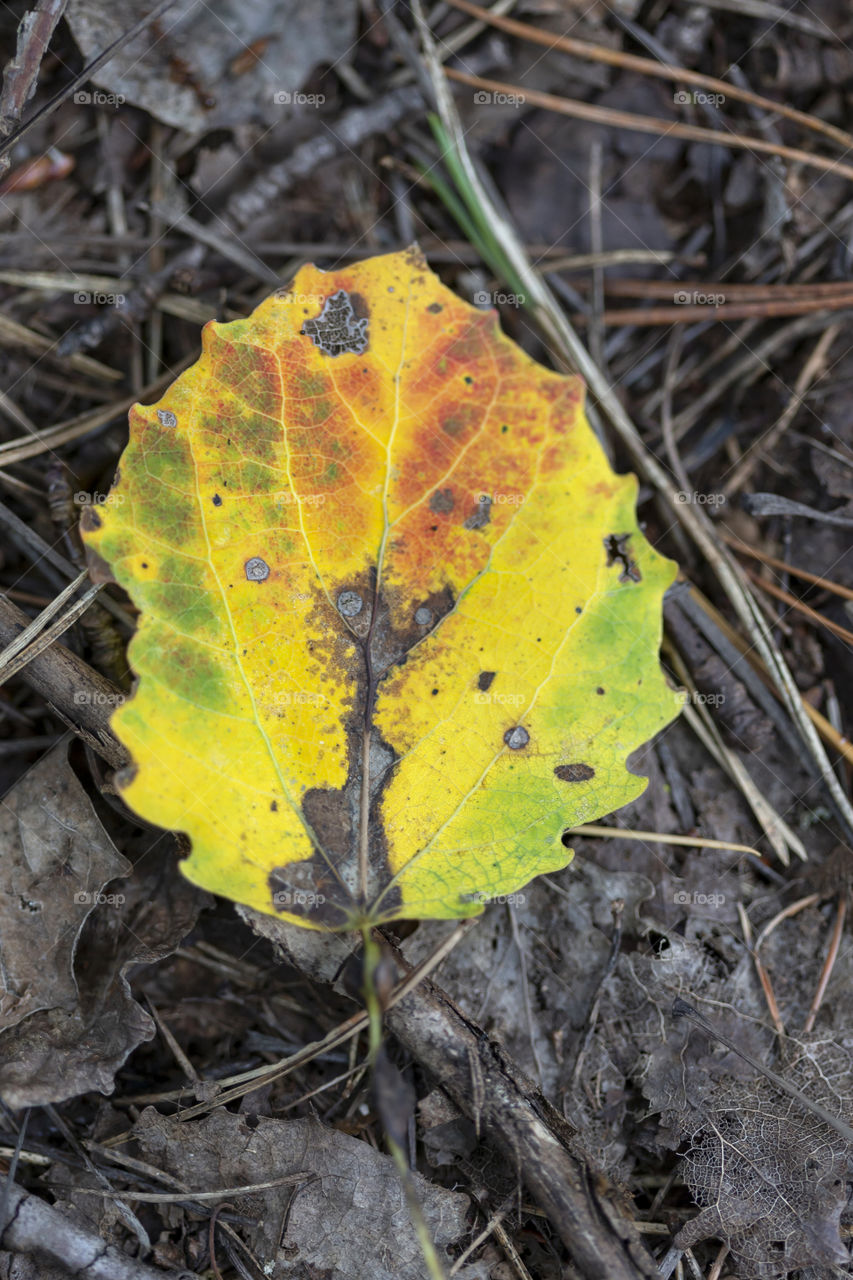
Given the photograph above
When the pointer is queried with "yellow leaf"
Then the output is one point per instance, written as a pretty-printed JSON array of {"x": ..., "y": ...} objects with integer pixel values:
[{"x": 398, "y": 625}]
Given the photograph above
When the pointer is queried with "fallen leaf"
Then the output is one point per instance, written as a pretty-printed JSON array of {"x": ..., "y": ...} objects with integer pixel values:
[
  {"x": 199, "y": 69},
  {"x": 399, "y": 627},
  {"x": 346, "y": 1219},
  {"x": 70, "y": 926}
]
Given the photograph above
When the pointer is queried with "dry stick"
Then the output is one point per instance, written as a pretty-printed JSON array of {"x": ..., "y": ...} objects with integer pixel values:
[
  {"x": 18, "y": 335},
  {"x": 18, "y": 655},
  {"x": 829, "y": 963},
  {"x": 21, "y": 72},
  {"x": 793, "y": 603},
  {"x": 763, "y": 975},
  {"x": 828, "y": 585},
  {"x": 528, "y": 1011},
  {"x": 660, "y": 837},
  {"x": 86, "y": 74},
  {"x": 34, "y": 1227},
  {"x": 793, "y": 909},
  {"x": 79, "y": 695},
  {"x": 714, "y": 1273},
  {"x": 651, "y": 124},
  {"x": 742, "y": 371},
  {"x": 650, "y": 67},
  {"x": 725, "y": 312},
  {"x": 739, "y": 292},
  {"x": 697, "y": 715},
  {"x": 681, "y": 1009},
  {"x": 353, "y": 127},
  {"x": 826, "y": 730},
  {"x": 813, "y": 368},
  {"x": 482, "y": 1237},
  {"x": 518, "y": 1119}
]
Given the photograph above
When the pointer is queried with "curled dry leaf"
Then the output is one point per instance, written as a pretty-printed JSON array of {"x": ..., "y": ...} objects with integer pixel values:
[{"x": 399, "y": 627}]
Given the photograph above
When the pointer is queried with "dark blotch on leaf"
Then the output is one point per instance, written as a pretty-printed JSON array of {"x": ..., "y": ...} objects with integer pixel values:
[
  {"x": 442, "y": 501},
  {"x": 516, "y": 738},
  {"x": 574, "y": 772},
  {"x": 217, "y": 501},
  {"x": 484, "y": 680},
  {"x": 482, "y": 513}
]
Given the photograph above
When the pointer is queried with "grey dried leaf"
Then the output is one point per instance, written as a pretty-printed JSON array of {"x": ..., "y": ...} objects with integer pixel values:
[
  {"x": 207, "y": 68},
  {"x": 69, "y": 929},
  {"x": 57, "y": 863},
  {"x": 350, "y": 1223},
  {"x": 770, "y": 1176}
]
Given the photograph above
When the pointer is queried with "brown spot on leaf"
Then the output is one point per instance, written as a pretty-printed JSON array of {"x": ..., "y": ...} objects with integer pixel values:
[
  {"x": 442, "y": 501},
  {"x": 574, "y": 772},
  {"x": 484, "y": 680}
]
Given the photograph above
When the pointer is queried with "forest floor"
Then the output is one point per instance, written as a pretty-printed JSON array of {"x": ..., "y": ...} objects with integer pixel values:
[{"x": 678, "y": 175}]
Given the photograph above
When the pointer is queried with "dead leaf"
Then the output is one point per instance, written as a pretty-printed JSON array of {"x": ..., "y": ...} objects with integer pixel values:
[
  {"x": 350, "y": 1223},
  {"x": 71, "y": 924},
  {"x": 196, "y": 70}
]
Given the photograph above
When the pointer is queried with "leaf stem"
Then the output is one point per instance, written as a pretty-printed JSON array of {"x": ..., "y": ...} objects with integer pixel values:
[{"x": 371, "y": 957}]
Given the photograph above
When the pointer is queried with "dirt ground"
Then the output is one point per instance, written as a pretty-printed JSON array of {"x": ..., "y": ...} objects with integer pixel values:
[{"x": 623, "y": 1082}]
